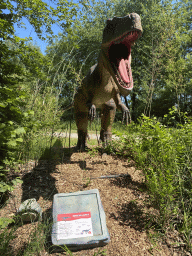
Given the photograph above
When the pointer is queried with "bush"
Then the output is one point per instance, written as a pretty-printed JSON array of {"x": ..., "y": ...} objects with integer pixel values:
[
  {"x": 174, "y": 117},
  {"x": 165, "y": 156},
  {"x": 11, "y": 116}
]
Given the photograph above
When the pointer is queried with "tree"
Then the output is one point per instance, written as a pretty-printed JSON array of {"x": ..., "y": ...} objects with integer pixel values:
[
  {"x": 159, "y": 83},
  {"x": 75, "y": 52},
  {"x": 19, "y": 62},
  {"x": 163, "y": 47}
]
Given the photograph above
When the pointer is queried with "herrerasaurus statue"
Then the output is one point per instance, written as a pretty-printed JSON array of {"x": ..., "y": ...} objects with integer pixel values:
[{"x": 108, "y": 79}]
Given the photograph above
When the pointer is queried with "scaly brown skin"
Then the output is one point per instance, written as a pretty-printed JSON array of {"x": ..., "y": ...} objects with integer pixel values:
[
  {"x": 103, "y": 84},
  {"x": 92, "y": 95}
]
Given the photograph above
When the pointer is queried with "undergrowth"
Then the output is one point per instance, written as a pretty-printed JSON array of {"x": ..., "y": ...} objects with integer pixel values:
[{"x": 165, "y": 156}]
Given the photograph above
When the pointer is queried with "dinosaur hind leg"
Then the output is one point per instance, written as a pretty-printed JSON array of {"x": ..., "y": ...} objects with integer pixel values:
[
  {"x": 82, "y": 123},
  {"x": 107, "y": 117}
]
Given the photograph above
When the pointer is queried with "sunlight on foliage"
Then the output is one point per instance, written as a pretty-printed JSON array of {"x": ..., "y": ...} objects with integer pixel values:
[{"x": 165, "y": 156}]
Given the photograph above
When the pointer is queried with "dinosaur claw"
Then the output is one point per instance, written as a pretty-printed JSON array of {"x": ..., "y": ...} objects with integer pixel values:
[
  {"x": 82, "y": 141},
  {"x": 126, "y": 115},
  {"x": 92, "y": 111}
]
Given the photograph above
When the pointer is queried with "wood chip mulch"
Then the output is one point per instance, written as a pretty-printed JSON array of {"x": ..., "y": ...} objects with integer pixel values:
[{"x": 122, "y": 198}]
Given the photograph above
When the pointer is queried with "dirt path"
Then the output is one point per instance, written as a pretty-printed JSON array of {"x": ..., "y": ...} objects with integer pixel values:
[
  {"x": 121, "y": 197},
  {"x": 92, "y": 136}
]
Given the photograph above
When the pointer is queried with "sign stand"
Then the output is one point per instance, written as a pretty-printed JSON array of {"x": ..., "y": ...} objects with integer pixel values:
[{"x": 79, "y": 220}]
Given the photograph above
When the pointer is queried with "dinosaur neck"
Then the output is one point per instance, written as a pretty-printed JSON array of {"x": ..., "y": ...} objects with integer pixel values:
[
  {"x": 107, "y": 74},
  {"x": 103, "y": 68}
]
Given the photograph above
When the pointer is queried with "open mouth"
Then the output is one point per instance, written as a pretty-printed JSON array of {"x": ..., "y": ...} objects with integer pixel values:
[{"x": 119, "y": 54}]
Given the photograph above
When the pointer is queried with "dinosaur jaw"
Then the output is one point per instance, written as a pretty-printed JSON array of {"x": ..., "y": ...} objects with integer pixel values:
[{"x": 118, "y": 54}]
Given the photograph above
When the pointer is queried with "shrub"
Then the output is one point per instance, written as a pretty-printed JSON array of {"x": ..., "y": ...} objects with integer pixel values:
[{"x": 164, "y": 154}]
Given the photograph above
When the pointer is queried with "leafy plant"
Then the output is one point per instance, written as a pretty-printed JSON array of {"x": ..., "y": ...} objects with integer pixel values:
[
  {"x": 11, "y": 116},
  {"x": 6, "y": 236},
  {"x": 4, "y": 222},
  {"x": 174, "y": 117},
  {"x": 164, "y": 155}
]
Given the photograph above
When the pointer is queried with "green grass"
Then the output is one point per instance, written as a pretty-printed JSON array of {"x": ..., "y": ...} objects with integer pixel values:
[{"x": 39, "y": 145}]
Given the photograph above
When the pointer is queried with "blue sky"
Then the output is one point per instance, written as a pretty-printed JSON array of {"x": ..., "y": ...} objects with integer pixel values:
[{"x": 30, "y": 32}]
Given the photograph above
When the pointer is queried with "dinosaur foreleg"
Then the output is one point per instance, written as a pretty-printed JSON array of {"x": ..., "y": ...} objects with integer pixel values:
[{"x": 107, "y": 117}]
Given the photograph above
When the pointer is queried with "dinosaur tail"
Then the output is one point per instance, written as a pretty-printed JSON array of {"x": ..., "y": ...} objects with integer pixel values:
[{"x": 69, "y": 106}]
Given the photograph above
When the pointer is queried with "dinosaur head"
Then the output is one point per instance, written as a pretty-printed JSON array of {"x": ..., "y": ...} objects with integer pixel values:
[{"x": 119, "y": 35}]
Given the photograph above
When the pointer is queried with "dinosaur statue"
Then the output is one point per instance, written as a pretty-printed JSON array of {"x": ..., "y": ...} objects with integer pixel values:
[{"x": 106, "y": 80}]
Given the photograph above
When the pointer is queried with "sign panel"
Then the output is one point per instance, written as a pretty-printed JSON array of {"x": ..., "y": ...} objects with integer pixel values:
[{"x": 74, "y": 225}]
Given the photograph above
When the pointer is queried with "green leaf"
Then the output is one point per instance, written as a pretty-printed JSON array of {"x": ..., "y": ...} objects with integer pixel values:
[
  {"x": 31, "y": 112},
  {"x": 12, "y": 143},
  {"x": 19, "y": 130},
  {"x": 16, "y": 181},
  {"x": 19, "y": 140},
  {"x": 3, "y": 105},
  {"x": 5, "y": 187},
  {"x": 4, "y": 222}
]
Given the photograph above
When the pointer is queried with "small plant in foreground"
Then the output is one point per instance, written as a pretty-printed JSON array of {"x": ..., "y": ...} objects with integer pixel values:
[{"x": 87, "y": 183}]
